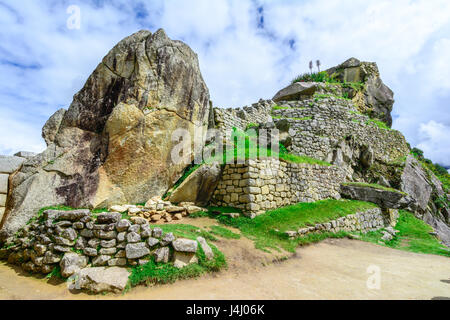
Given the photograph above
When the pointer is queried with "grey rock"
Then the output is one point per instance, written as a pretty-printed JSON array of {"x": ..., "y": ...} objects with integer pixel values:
[
  {"x": 162, "y": 255},
  {"x": 146, "y": 231},
  {"x": 133, "y": 237},
  {"x": 121, "y": 236},
  {"x": 136, "y": 228},
  {"x": 25, "y": 154},
  {"x": 383, "y": 198},
  {"x": 81, "y": 243},
  {"x": 167, "y": 239},
  {"x": 136, "y": 250},
  {"x": 107, "y": 235},
  {"x": 108, "y": 251},
  {"x": 151, "y": 242},
  {"x": 72, "y": 263},
  {"x": 98, "y": 280},
  {"x": 295, "y": 91},
  {"x": 78, "y": 225},
  {"x": 182, "y": 259},
  {"x": 61, "y": 248},
  {"x": 198, "y": 187},
  {"x": 52, "y": 125},
  {"x": 73, "y": 215},
  {"x": 69, "y": 234},
  {"x": 117, "y": 262},
  {"x": 108, "y": 243},
  {"x": 40, "y": 249},
  {"x": 51, "y": 258},
  {"x": 101, "y": 260},
  {"x": 94, "y": 243},
  {"x": 10, "y": 164},
  {"x": 415, "y": 183},
  {"x": 185, "y": 245},
  {"x": 91, "y": 252},
  {"x": 138, "y": 220},
  {"x": 64, "y": 241},
  {"x": 206, "y": 248},
  {"x": 120, "y": 254},
  {"x": 108, "y": 217},
  {"x": 123, "y": 225}
]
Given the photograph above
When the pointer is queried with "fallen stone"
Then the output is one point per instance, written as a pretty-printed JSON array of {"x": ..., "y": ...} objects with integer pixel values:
[
  {"x": 119, "y": 209},
  {"x": 98, "y": 280},
  {"x": 185, "y": 245},
  {"x": 206, "y": 248}
]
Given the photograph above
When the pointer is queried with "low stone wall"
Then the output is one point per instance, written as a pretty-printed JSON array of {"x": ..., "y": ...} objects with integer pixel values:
[
  {"x": 8, "y": 166},
  {"x": 226, "y": 119},
  {"x": 260, "y": 185},
  {"x": 76, "y": 239},
  {"x": 369, "y": 220}
]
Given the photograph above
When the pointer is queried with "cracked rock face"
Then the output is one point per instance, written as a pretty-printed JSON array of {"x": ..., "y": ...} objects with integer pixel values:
[{"x": 113, "y": 145}]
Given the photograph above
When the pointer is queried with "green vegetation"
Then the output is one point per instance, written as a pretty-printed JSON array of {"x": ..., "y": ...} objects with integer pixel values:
[
  {"x": 414, "y": 236},
  {"x": 315, "y": 77},
  {"x": 267, "y": 230},
  {"x": 245, "y": 146},
  {"x": 372, "y": 185},
  {"x": 252, "y": 126},
  {"x": 161, "y": 273},
  {"x": 277, "y": 107},
  {"x": 439, "y": 171},
  {"x": 379, "y": 124},
  {"x": 187, "y": 172},
  {"x": 224, "y": 232}
]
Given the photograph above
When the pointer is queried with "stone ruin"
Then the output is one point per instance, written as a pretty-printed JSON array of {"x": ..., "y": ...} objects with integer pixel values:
[{"x": 112, "y": 149}]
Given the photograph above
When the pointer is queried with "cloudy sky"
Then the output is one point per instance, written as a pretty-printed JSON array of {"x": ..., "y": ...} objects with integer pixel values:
[{"x": 247, "y": 50}]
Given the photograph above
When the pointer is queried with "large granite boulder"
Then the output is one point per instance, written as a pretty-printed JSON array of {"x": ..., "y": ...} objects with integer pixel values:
[
  {"x": 113, "y": 145},
  {"x": 377, "y": 99},
  {"x": 199, "y": 186}
]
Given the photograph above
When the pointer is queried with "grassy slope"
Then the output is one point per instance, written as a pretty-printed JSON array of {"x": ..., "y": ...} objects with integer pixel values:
[
  {"x": 413, "y": 236},
  {"x": 262, "y": 229}
]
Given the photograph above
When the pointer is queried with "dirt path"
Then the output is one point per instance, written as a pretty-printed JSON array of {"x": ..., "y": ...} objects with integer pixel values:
[{"x": 332, "y": 269}]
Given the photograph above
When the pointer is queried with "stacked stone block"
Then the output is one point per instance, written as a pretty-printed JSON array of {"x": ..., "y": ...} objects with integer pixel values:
[
  {"x": 317, "y": 125},
  {"x": 260, "y": 185},
  {"x": 369, "y": 220}
]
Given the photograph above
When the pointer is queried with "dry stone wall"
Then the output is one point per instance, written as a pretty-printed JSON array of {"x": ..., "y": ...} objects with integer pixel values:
[
  {"x": 318, "y": 125},
  {"x": 77, "y": 239},
  {"x": 260, "y": 185},
  {"x": 226, "y": 119},
  {"x": 369, "y": 220}
]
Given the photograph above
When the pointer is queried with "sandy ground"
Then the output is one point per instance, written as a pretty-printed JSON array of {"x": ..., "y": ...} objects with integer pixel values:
[{"x": 332, "y": 269}]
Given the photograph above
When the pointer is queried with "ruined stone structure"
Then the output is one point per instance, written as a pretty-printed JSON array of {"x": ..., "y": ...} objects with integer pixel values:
[{"x": 260, "y": 185}]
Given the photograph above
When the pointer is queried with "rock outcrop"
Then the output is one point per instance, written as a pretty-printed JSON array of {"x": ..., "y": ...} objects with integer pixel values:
[
  {"x": 376, "y": 99},
  {"x": 113, "y": 145},
  {"x": 199, "y": 186}
]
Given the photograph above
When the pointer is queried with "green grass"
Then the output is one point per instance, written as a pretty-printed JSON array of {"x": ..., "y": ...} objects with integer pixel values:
[
  {"x": 262, "y": 229},
  {"x": 248, "y": 148},
  {"x": 224, "y": 232},
  {"x": 379, "y": 124},
  {"x": 373, "y": 185},
  {"x": 413, "y": 236},
  {"x": 162, "y": 273}
]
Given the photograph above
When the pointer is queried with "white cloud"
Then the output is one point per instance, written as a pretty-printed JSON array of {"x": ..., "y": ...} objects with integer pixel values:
[
  {"x": 46, "y": 63},
  {"x": 435, "y": 141}
]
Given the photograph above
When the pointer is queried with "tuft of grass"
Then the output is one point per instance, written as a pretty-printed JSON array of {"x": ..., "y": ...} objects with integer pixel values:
[
  {"x": 267, "y": 230},
  {"x": 162, "y": 273},
  {"x": 298, "y": 119},
  {"x": 224, "y": 232},
  {"x": 414, "y": 236},
  {"x": 373, "y": 185},
  {"x": 379, "y": 124}
]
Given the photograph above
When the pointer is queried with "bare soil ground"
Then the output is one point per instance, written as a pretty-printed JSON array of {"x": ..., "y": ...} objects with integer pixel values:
[{"x": 332, "y": 269}]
